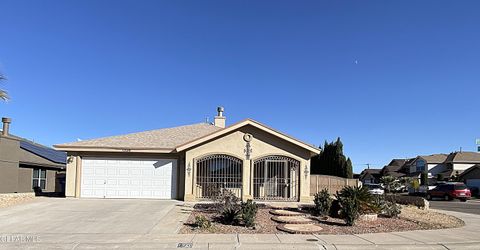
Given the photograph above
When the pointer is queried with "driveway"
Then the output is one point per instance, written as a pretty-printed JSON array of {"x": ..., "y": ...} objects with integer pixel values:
[
  {"x": 92, "y": 218},
  {"x": 471, "y": 206}
]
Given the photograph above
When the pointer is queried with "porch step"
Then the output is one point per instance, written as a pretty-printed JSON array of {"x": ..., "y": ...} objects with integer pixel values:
[
  {"x": 299, "y": 228},
  {"x": 280, "y": 212},
  {"x": 292, "y": 219}
]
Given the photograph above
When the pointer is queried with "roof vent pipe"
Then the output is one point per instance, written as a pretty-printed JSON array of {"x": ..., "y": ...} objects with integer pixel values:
[
  {"x": 219, "y": 120},
  {"x": 6, "y": 125}
]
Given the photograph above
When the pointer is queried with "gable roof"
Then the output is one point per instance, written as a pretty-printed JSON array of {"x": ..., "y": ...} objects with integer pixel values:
[
  {"x": 166, "y": 139},
  {"x": 169, "y": 140},
  {"x": 434, "y": 158},
  {"x": 464, "y": 157},
  {"x": 468, "y": 170},
  {"x": 255, "y": 124}
]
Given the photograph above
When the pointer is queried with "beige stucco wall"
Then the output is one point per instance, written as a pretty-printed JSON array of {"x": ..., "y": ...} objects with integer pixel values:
[
  {"x": 8, "y": 164},
  {"x": 262, "y": 144}
]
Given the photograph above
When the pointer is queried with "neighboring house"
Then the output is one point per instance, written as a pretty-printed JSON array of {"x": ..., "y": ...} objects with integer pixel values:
[
  {"x": 394, "y": 168},
  {"x": 458, "y": 162},
  {"x": 25, "y": 165},
  {"x": 432, "y": 164},
  {"x": 371, "y": 175},
  {"x": 471, "y": 176},
  {"x": 192, "y": 162}
]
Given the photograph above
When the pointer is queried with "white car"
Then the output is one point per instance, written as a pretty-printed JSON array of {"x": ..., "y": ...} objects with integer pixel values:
[{"x": 375, "y": 189}]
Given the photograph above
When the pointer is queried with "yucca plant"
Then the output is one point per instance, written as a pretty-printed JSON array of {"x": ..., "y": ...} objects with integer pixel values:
[{"x": 355, "y": 201}]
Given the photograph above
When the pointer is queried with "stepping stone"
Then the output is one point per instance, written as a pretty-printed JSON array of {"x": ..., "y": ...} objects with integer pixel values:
[
  {"x": 283, "y": 206},
  {"x": 281, "y": 212},
  {"x": 292, "y": 220},
  {"x": 299, "y": 228}
]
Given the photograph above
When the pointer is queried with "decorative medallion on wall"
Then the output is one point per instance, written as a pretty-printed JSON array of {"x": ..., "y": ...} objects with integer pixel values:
[{"x": 248, "y": 149}]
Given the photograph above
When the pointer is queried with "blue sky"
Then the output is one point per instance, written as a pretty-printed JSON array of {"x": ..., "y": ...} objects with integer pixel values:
[{"x": 392, "y": 79}]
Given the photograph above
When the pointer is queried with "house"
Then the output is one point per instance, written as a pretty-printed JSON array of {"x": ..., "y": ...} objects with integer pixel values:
[
  {"x": 432, "y": 164},
  {"x": 471, "y": 176},
  {"x": 457, "y": 162},
  {"x": 371, "y": 175},
  {"x": 394, "y": 168},
  {"x": 191, "y": 163},
  {"x": 25, "y": 165}
]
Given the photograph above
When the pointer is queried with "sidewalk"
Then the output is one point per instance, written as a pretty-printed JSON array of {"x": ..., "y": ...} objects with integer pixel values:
[{"x": 466, "y": 237}]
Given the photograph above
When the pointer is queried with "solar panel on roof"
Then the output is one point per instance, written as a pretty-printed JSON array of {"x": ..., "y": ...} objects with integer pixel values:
[{"x": 45, "y": 152}]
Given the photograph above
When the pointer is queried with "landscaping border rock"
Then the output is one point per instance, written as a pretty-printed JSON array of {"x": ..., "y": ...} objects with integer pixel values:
[{"x": 417, "y": 201}]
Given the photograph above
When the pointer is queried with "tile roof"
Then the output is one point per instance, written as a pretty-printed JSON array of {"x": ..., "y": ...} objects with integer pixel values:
[{"x": 166, "y": 138}]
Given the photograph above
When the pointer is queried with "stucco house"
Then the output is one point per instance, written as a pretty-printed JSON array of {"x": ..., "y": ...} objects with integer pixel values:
[
  {"x": 432, "y": 164},
  {"x": 192, "y": 163},
  {"x": 25, "y": 164}
]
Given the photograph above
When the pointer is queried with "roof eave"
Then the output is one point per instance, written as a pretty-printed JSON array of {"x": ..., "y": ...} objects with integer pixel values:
[
  {"x": 240, "y": 124},
  {"x": 111, "y": 149}
]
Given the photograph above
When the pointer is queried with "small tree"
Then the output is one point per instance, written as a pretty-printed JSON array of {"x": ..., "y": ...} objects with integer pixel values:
[
  {"x": 390, "y": 183},
  {"x": 415, "y": 184}
]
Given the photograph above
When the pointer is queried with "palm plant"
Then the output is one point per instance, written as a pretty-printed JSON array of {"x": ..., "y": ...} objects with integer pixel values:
[
  {"x": 3, "y": 93},
  {"x": 389, "y": 182}
]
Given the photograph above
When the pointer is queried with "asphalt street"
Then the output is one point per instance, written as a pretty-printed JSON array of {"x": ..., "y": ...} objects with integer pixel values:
[{"x": 471, "y": 206}]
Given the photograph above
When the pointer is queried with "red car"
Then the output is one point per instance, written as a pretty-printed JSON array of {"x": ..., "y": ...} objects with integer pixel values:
[{"x": 450, "y": 191}]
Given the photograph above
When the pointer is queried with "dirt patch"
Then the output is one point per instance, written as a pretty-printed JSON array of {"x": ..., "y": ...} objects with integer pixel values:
[{"x": 411, "y": 219}]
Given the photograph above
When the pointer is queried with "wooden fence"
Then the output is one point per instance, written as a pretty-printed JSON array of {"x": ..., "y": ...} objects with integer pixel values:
[{"x": 331, "y": 183}]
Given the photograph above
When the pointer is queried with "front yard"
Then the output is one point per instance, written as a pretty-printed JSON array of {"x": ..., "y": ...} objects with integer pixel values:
[{"x": 411, "y": 218}]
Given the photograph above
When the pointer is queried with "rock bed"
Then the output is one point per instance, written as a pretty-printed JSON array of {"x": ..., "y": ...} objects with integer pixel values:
[
  {"x": 410, "y": 219},
  {"x": 7, "y": 200}
]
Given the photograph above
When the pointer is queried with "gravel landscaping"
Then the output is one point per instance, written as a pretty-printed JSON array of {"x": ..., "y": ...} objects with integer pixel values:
[
  {"x": 411, "y": 218},
  {"x": 7, "y": 200}
]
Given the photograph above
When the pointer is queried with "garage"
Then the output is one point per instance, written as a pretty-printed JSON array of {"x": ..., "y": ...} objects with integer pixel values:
[{"x": 129, "y": 178}]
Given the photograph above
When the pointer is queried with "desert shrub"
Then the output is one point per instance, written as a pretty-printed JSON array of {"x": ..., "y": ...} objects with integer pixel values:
[
  {"x": 355, "y": 201},
  {"x": 350, "y": 210},
  {"x": 391, "y": 209},
  {"x": 387, "y": 208},
  {"x": 228, "y": 206},
  {"x": 202, "y": 222},
  {"x": 249, "y": 212},
  {"x": 323, "y": 202}
]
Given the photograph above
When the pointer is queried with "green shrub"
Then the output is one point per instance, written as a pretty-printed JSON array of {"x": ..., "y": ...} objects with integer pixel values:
[
  {"x": 249, "y": 212},
  {"x": 202, "y": 222},
  {"x": 350, "y": 210},
  {"x": 355, "y": 201},
  {"x": 323, "y": 202}
]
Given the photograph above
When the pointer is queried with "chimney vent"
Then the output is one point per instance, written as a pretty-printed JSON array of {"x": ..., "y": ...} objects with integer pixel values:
[
  {"x": 219, "y": 120},
  {"x": 6, "y": 125}
]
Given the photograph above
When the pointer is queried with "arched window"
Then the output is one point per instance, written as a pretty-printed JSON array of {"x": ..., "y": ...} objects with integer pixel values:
[
  {"x": 216, "y": 173},
  {"x": 275, "y": 177}
]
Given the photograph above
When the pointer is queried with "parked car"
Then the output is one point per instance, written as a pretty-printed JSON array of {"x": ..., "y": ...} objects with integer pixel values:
[
  {"x": 375, "y": 189},
  {"x": 450, "y": 191}
]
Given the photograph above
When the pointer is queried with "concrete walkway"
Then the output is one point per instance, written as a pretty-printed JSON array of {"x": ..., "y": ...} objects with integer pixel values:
[{"x": 160, "y": 238}]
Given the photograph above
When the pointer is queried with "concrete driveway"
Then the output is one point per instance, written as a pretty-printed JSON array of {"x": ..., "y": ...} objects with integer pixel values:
[{"x": 59, "y": 217}]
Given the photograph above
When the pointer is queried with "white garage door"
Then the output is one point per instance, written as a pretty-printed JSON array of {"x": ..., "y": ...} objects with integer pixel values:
[{"x": 129, "y": 178}]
